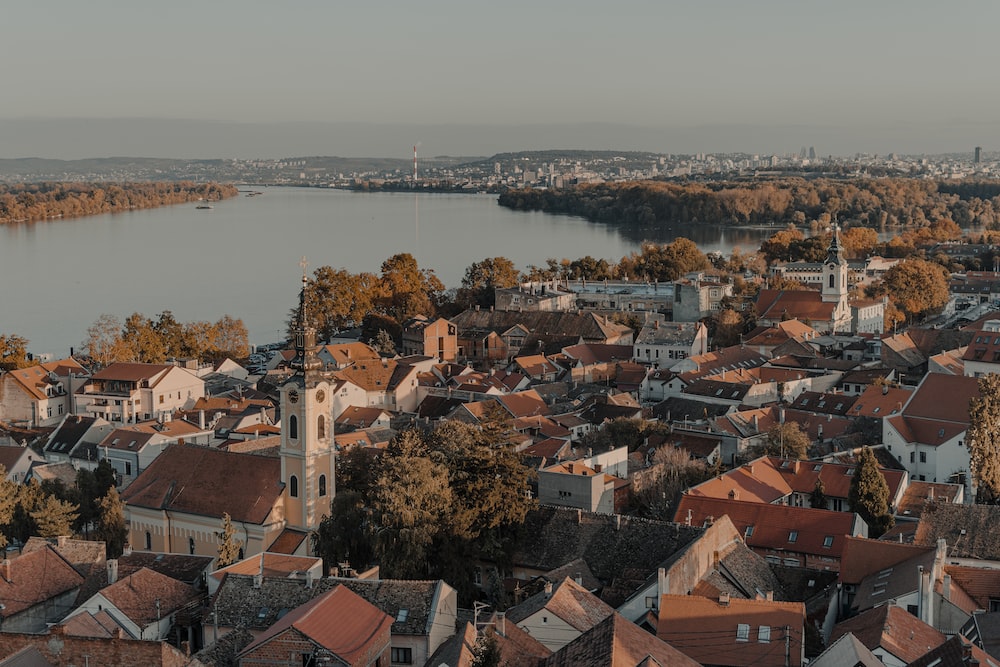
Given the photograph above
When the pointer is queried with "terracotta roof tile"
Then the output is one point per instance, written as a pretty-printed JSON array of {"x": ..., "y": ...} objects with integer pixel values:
[
  {"x": 145, "y": 595},
  {"x": 618, "y": 642},
  {"x": 209, "y": 482},
  {"x": 862, "y": 557},
  {"x": 895, "y": 630},
  {"x": 34, "y": 578}
]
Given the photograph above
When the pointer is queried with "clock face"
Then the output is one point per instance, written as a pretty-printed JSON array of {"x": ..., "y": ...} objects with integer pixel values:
[
  {"x": 293, "y": 396},
  {"x": 320, "y": 396}
]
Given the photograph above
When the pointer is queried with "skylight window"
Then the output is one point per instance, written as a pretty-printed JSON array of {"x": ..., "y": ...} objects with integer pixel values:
[
  {"x": 402, "y": 615},
  {"x": 793, "y": 536}
]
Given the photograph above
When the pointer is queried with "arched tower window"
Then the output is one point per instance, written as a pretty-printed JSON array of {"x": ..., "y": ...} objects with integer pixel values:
[
  {"x": 831, "y": 280},
  {"x": 293, "y": 427},
  {"x": 321, "y": 427},
  {"x": 293, "y": 486},
  {"x": 322, "y": 485},
  {"x": 149, "y": 541}
]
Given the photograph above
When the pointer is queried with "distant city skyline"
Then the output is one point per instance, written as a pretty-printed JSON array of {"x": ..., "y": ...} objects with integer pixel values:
[{"x": 255, "y": 79}]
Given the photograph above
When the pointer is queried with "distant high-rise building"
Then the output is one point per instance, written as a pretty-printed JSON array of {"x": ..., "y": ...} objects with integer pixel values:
[
  {"x": 812, "y": 152},
  {"x": 979, "y": 154},
  {"x": 802, "y": 152}
]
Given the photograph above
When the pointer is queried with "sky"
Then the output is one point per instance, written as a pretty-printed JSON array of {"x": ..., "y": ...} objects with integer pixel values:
[{"x": 247, "y": 78}]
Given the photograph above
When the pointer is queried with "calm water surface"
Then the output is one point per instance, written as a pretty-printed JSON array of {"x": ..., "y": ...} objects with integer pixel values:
[{"x": 242, "y": 257}]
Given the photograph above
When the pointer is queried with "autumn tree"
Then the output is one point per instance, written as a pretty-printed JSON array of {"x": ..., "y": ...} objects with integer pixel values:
[
  {"x": 142, "y": 340},
  {"x": 787, "y": 440},
  {"x": 13, "y": 352},
  {"x": 406, "y": 290},
  {"x": 111, "y": 526},
  {"x": 918, "y": 288},
  {"x": 53, "y": 517},
  {"x": 336, "y": 298},
  {"x": 671, "y": 471},
  {"x": 983, "y": 440},
  {"x": 728, "y": 328},
  {"x": 665, "y": 262},
  {"x": 229, "y": 545},
  {"x": 482, "y": 278},
  {"x": 869, "y": 494},
  {"x": 777, "y": 246},
  {"x": 104, "y": 340},
  {"x": 858, "y": 241}
]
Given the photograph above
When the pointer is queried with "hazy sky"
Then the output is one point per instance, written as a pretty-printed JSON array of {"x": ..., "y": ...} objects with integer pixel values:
[{"x": 921, "y": 71}]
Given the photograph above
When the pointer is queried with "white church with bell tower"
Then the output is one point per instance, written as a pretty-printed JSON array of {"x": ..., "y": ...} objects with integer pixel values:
[{"x": 307, "y": 446}]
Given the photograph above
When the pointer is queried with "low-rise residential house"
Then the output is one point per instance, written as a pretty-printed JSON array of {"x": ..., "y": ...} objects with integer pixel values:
[
  {"x": 16, "y": 460},
  {"x": 144, "y": 603},
  {"x": 434, "y": 338},
  {"x": 535, "y": 296},
  {"x": 176, "y": 504},
  {"x": 127, "y": 392},
  {"x": 386, "y": 384},
  {"x": 775, "y": 480},
  {"x": 559, "y": 614},
  {"x": 928, "y": 437},
  {"x": 783, "y": 535},
  {"x": 766, "y": 339},
  {"x": 58, "y": 647},
  {"x": 697, "y": 296},
  {"x": 75, "y": 441},
  {"x": 339, "y": 356},
  {"x": 617, "y": 642},
  {"x": 423, "y": 613},
  {"x": 37, "y": 588},
  {"x": 900, "y": 353},
  {"x": 729, "y": 631},
  {"x": 538, "y": 368},
  {"x": 662, "y": 343},
  {"x": 131, "y": 448},
  {"x": 846, "y": 650},
  {"x": 574, "y": 484},
  {"x": 982, "y": 356},
  {"x": 895, "y": 636},
  {"x": 595, "y": 363},
  {"x": 267, "y": 564},
  {"x": 39, "y": 395},
  {"x": 356, "y": 418},
  {"x": 337, "y": 627}
]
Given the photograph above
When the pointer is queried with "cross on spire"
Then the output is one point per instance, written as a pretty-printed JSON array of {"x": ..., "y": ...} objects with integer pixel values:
[{"x": 303, "y": 263}]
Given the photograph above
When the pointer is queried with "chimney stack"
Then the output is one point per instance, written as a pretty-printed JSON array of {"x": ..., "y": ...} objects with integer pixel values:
[{"x": 112, "y": 570}]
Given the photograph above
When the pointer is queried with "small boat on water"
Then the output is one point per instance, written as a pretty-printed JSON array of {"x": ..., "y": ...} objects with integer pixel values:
[{"x": 202, "y": 206}]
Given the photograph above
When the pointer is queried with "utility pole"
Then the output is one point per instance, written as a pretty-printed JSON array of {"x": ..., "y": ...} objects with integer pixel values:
[{"x": 788, "y": 645}]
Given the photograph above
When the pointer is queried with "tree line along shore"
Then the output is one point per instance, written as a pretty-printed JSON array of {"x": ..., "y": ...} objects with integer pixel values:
[{"x": 31, "y": 202}]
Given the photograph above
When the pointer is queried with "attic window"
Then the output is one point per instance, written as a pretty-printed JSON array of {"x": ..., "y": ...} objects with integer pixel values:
[
  {"x": 828, "y": 541},
  {"x": 131, "y": 444},
  {"x": 817, "y": 467},
  {"x": 115, "y": 441},
  {"x": 875, "y": 411},
  {"x": 401, "y": 615},
  {"x": 793, "y": 536},
  {"x": 839, "y": 406},
  {"x": 849, "y": 472},
  {"x": 786, "y": 463},
  {"x": 743, "y": 632},
  {"x": 941, "y": 433},
  {"x": 748, "y": 532},
  {"x": 262, "y": 613}
]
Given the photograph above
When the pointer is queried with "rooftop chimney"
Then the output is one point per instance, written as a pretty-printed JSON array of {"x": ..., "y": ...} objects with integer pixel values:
[
  {"x": 548, "y": 589},
  {"x": 724, "y": 599},
  {"x": 112, "y": 570}
]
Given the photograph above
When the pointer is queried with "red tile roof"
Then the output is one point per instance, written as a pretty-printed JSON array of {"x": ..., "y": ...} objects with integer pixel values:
[
  {"x": 34, "y": 578},
  {"x": 862, "y": 557},
  {"x": 340, "y": 621},
  {"x": 774, "y": 527},
  {"x": 145, "y": 595},
  {"x": 209, "y": 482},
  {"x": 707, "y": 629},
  {"x": 895, "y": 630}
]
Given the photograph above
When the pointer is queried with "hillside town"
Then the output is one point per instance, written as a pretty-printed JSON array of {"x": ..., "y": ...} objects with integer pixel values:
[{"x": 583, "y": 472}]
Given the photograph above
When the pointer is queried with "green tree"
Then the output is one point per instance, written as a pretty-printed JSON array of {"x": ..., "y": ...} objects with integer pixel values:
[
  {"x": 229, "y": 545},
  {"x": 54, "y": 517},
  {"x": 869, "y": 494},
  {"x": 482, "y": 278},
  {"x": 412, "y": 503},
  {"x": 111, "y": 526},
  {"x": 487, "y": 651},
  {"x": 983, "y": 440},
  {"x": 817, "y": 499}
]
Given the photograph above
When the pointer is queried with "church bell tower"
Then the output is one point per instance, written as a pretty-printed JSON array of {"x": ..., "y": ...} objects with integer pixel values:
[{"x": 307, "y": 445}]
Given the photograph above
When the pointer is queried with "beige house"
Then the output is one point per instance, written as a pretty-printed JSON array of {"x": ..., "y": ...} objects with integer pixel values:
[
  {"x": 39, "y": 395},
  {"x": 433, "y": 338},
  {"x": 126, "y": 392}
]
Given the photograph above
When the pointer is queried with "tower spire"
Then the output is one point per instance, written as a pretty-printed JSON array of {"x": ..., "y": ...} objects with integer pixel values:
[{"x": 305, "y": 333}]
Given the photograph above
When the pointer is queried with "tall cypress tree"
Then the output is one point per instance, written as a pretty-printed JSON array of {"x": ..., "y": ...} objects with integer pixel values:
[{"x": 869, "y": 494}]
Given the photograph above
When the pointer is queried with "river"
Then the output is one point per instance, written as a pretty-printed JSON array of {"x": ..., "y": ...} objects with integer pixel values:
[{"x": 242, "y": 257}]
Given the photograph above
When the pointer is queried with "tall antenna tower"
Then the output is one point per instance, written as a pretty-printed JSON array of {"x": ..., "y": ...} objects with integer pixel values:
[{"x": 415, "y": 161}]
